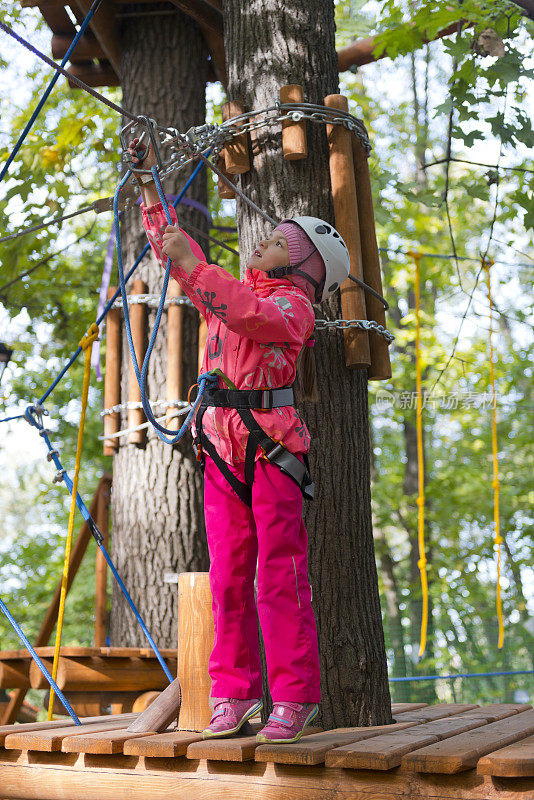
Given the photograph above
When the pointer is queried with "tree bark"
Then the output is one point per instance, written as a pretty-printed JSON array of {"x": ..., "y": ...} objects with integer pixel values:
[
  {"x": 270, "y": 44},
  {"x": 157, "y": 511}
]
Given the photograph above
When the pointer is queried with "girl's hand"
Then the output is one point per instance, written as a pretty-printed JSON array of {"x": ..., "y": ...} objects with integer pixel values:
[
  {"x": 176, "y": 247},
  {"x": 148, "y": 161}
]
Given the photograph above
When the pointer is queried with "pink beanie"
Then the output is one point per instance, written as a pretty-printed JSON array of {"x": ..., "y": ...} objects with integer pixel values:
[{"x": 300, "y": 245}]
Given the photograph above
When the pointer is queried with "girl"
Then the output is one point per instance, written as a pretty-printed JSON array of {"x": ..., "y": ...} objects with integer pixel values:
[{"x": 254, "y": 461}]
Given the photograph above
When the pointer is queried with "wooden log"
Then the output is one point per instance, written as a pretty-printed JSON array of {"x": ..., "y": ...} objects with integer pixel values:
[
  {"x": 202, "y": 339},
  {"x": 14, "y": 674},
  {"x": 101, "y": 569},
  {"x": 104, "y": 674},
  {"x": 93, "y": 75},
  {"x": 294, "y": 142},
  {"x": 174, "y": 357},
  {"x": 236, "y": 154},
  {"x": 90, "y": 704},
  {"x": 47, "y": 626},
  {"x": 138, "y": 322},
  {"x": 380, "y": 367},
  {"x": 357, "y": 353},
  {"x": 195, "y": 643},
  {"x": 462, "y": 752},
  {"x": 163, "y": 710},
  {"x": 144, "y": 701},
  {"x": 112, "y": 376},
  {"x": 225, "y": 192},
  {"x": 87, "y": 48}
]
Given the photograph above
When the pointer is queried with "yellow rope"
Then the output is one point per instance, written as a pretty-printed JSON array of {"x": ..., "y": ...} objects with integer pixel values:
[
  {"x": 85, "y": 344},
  {"x": 420, "y": 466},
  {"x": 486, "y": 264}
]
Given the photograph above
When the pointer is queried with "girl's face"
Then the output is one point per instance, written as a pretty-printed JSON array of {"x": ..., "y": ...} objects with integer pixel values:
[{"x": 270, "y": 253}]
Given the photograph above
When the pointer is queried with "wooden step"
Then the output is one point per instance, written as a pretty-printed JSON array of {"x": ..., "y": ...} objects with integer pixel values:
[
  {"x": 6, "y": 730},
  {"x": 462, "y": 752},
  {"x": 314, "y": 749},
  {"x": 386, "y": 751},
  {"x": 437, "y": 711},
  {"x": 106, "y": 743},
  {"x": 514, "y": 761},
  {"x": 233, "y": 748},
  {"x": 50, "y": 741},
  {"x": 161, "y": 745}
]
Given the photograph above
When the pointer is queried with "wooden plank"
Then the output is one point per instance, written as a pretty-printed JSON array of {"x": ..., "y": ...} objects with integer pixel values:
[
  {"x": 6, "y": 730},
  {"x": 316, "y": 747},
  {"x": 496, "y": 711},
  {"x": 87, "y": 652},
  {"x": 402, "y": 708},
  {"x": 463, "y": 752},
  {"x": 514, "y": 761},
  {"x": 106, "y": 743},
  {"x": 49, "y": 741},
  {"x": 161, "y": 712},
  {"x": 386, "y": 751},
  {"x": 235, "y": 748},
  {"x": 437, "y": 711},
  {"x": 162, "y": 745}
]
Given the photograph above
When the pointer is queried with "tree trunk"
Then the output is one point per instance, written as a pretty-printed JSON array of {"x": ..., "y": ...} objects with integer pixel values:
[
  {"x": 157, "y": 503},
  {"x": 270, "y": 44}
]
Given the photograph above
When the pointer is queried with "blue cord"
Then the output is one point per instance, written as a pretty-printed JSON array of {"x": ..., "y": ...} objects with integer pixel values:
[
  {"x": 53, "y": 454},
  {"x": 461, "y": 675},
  {"x": 23, "y": 638},
  {"x": 141, "y": 375},
  {"x": 51, "y": 85}
]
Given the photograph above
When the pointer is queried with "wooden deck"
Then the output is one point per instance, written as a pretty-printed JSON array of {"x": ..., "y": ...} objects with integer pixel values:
[{"x": 447, "y": 752}]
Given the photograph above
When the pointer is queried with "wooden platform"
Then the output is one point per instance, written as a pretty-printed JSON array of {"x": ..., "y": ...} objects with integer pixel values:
[{"x": 447, "y": 751}]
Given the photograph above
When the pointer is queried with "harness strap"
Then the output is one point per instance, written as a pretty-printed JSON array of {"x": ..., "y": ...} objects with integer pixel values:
[{"x": 260, "y": 399}]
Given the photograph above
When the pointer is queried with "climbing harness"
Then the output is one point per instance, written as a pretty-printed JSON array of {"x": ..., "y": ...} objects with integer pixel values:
[
  {"x": 86, "y": 343},
  {"x": 243, "y": 400}
]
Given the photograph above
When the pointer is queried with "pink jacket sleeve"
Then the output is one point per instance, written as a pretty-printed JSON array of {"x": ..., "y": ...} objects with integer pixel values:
[
  {"x": 154, "y": 223},
  {"x": 285, "y": 317}
]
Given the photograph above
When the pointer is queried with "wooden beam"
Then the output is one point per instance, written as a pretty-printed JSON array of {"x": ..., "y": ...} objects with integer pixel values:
[
  {"x": 94, "y": 75},
  {"x": 106, "y": 29},
  {"x": 87, "y": 48},
  {"x": 48, "y": 624},
  {"x": 203, "y": 12}
]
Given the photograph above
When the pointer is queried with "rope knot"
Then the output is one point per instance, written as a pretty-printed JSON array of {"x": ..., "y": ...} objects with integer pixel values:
[
  {"x": 420, "y": 500},
  {"x": 90, "y": 336},
  {"x": 415, "y": 254},
  {"x": 498, "y": 539},
  {"x": 421, "y": 563}
]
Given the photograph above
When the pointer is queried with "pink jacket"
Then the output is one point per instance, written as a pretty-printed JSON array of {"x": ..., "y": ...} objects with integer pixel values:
[{"x": 256, "y": 329}]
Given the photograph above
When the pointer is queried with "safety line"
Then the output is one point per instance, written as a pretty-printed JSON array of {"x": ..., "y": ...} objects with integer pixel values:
[
  {"x": 53, "y": 455},
  {"x": 86, "y": 344},
  {"x": 26, "y": 642},
  {"x": 51, "y": 85},
  {"x": 55, "y": 221},
  {"x": 486, "y": 264},
  {"x": 66, "y": 73},
  {"x": 461, "y": 675}
]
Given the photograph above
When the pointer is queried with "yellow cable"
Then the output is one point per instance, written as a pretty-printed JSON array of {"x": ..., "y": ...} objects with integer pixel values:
[
  {"x": 420, "y": 466},
  {"x": 85, "y": 344},
  {"x": 486, "y": 264}
]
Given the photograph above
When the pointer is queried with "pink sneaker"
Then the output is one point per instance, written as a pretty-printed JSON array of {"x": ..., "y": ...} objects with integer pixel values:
[
  {"x": 287, "y": 721},
  {"x": 229, "y": 714}
]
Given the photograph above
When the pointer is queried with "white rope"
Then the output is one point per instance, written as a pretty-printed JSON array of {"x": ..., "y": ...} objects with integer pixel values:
[{"x": 104, "y": 437}]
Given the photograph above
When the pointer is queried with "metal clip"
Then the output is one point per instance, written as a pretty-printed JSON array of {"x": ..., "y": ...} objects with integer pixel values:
[
  {"x": 51, "y": 453},
  {"x": 58, "y": 477}
]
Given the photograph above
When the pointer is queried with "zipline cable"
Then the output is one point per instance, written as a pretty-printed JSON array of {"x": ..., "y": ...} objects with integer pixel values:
[
  {"x": 86, "y": 344},
  {"x": 50, "y": 86}
]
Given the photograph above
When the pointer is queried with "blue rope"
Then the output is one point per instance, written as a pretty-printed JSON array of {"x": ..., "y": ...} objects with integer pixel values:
[
  {"x": 24, "y": 639},
  {"x": 53, "y": 455},
  {"x": 462, "y": 675},
  {"x": 141, "y": 375},
  {"x": 51, "y": 85}
]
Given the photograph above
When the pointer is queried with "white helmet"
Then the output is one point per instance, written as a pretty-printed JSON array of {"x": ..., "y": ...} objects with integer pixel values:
[{"x": 332, "y": 249}]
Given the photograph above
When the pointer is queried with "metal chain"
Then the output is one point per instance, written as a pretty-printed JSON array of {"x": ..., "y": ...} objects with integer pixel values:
[{"x": 363, "y": 324}]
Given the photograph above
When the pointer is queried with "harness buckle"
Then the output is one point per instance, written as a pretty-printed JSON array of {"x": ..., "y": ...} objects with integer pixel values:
[
  {"x": 266, "y": 395},
  {"x": 273, "y": 451}
]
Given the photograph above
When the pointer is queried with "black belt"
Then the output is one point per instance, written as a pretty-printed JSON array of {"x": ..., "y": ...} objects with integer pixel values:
[{"x": 243, "y": 400}]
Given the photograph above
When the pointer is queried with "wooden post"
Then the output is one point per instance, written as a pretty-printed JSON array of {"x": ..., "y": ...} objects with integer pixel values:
[
  {"x": 101, "y": 568},
  {"x": 138, "y": 322},
  {"x": 112, "y": 377},
  {"x": 225, "y": 192},
  {"x": 49, "y": 622},
  {"x": 202, "y": 338},
  {"x": 236, "y": 153},
  {"x": 357, "y": 352},
  {"x": 195, "y": 643},
  {"x": 380, "y": 368},
  {"x": 294, "y": 143},
  {"x": 174, "y": 357}
]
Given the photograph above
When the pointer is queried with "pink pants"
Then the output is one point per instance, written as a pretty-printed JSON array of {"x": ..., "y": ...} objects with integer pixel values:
[{"x": 271, "y": 534}]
